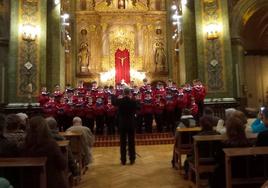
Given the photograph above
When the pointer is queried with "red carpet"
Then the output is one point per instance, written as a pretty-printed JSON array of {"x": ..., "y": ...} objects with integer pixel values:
[{"x": 141, "y": 139}]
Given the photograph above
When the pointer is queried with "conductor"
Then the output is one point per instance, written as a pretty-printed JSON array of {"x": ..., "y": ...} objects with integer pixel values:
[{"x": 126, "y": 113}]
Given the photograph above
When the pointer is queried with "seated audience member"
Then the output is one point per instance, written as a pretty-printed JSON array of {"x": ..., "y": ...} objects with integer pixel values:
[
  {"x": 258, "y": 125},
  {"x": 236, "y": 137},
  {"x": 209, "y": 112},
  {"x": 241, "y": 116},
  {"x": 87, "y": 139},
  {"x": 187, "y": 120},
  {"x": 54, "y": 131},
  {"x": 39, "y": 143},
  {"x": 206, "y": 124},
  {"x": 13, "y": 131},
  {"x": 53, "y": 126},
  {"x": 7, "y": 147},
  {"x": 4, "y": 183},
  {"x": 221, "y": 125},
  {"x": 23, "y": 120},
  {"x": 262, "y": 139}
]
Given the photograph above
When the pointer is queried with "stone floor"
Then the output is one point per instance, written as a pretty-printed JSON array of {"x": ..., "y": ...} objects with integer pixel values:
[{"x": 151, "y": 170}]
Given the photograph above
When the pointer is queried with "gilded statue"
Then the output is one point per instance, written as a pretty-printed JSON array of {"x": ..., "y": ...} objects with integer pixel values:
[
  {"x": 160, "y": 57},
  {"x": 84, "y": 57}
]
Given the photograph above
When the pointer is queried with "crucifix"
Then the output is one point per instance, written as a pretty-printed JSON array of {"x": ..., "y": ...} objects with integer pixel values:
[{"x": 122, "y": 60}]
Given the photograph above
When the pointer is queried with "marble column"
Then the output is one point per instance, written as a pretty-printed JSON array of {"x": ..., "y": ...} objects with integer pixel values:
[
  {"x": 4, "y": 41},
  {"x": 139, "y": 39},
  {"x": 188, "y": 58},
  {"x": 238, "y": 59},
  {"x": 55, "y": 48}
]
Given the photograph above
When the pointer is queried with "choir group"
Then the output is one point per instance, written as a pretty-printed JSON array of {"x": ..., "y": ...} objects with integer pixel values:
[{"x": 163, "y": 102}]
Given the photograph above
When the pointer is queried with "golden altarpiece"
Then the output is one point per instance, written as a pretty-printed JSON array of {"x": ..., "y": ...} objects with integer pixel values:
[{"x": 104, "y": 27}]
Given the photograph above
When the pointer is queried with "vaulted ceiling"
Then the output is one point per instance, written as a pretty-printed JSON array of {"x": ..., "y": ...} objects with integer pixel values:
[{"x": 255, "y": 31}]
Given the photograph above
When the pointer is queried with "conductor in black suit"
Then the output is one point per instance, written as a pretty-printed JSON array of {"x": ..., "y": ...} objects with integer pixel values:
[{"x": 127, "y": 108}]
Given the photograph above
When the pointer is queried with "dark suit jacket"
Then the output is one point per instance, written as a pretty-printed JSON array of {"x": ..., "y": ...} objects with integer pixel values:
[
  {"x": 127, "y": 108},
  {"x": 262, "y": 139}
]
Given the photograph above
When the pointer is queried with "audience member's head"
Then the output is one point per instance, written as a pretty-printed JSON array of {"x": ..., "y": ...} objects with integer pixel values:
[
  {"x": 77, "y": 121},
  {"x": 126, "y": 92},
  {"x": 37, "y": 133},
  {"x": 24, "y": 120},
  {"x": 186, "y": 112},
  {"x": 235, "y": 129},
  {"x": 229, "y": 112},
  {"x": 240, "y": 115},
  {"x": 265, "y": 116},
  {"x": 2, "y": 124},
  {"x": 206, "y": 123},
  {"x": 52, "y": 123},
  {"x": 4, "y": 183},
  {"x": 208, "y": 111},
  {"x": 13, "y": 122}
]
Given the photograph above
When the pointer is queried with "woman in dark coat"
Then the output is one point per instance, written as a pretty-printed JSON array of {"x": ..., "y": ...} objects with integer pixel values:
[
  {"x": 39, "y": 143},
  {"x": 236, "y": 137}
]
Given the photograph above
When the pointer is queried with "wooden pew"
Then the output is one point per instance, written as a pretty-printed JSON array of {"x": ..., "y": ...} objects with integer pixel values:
[
  {"x": 239, "y": 152},
  {"x": 75, "y": 145},
  {"x": 182, "y": 147},
  {"x": 64, "y": 146},
  {"x": 19, "y": 162},
  {"x": 200, "y": 168}
]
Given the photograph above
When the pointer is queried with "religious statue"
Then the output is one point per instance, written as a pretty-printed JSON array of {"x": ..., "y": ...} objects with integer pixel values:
[
  {"x": 160, "y": 57},
  {"x": 84, "y": 56},
  {"x": 121, "y": 4},
  {"x": 122, "y": 60}
]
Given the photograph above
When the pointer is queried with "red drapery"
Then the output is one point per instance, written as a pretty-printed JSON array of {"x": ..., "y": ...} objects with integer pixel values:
[{"x": 122, "y": 66}]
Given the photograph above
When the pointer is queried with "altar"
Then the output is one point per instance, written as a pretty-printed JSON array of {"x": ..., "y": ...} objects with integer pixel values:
[{"x": 121, "y": 40}]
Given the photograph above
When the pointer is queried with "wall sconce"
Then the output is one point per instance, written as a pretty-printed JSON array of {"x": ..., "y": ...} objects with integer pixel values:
[
  {"x": 29, "y": 32},
  {"x": 56, "y": 2},
  {"x": 213, "y": 31},
  {"x": 184, "y": 2}
]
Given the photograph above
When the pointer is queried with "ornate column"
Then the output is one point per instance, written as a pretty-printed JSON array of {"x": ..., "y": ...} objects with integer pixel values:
[
  {"x": 150, "y": 52},
  {"x": 215, "y": 67},
  {"x": 139, "y": 39},
  {"x": 93, "y": 48},
  {"x": 105, "y": 46},
  {"x": 27, "y": 57},
  {"x": 145, "y": 39}
]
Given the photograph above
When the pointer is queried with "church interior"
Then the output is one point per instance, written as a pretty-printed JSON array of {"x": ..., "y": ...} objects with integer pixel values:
[{"x": 194, "y": 71}]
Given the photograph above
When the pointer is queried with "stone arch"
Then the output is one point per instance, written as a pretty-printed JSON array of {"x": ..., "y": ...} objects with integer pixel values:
[
  {"x": 241, "y": 13},
  {"x": 246, "y": 15}
]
